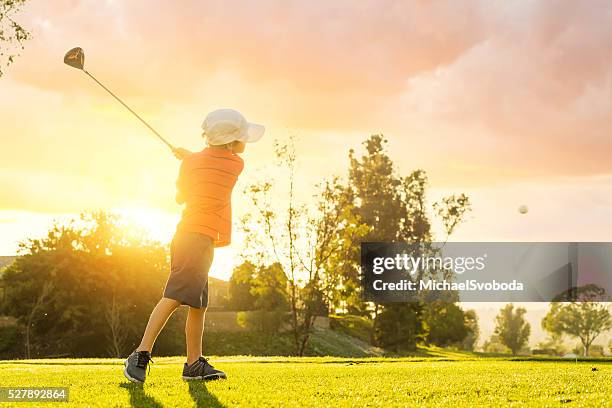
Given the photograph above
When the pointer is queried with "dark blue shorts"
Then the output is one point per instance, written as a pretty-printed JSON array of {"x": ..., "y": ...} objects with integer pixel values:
[{"x": 191, "y": 255}]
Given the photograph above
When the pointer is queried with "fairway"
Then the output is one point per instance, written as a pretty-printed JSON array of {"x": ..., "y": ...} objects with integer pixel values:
[{"x": 319, "y": 382}]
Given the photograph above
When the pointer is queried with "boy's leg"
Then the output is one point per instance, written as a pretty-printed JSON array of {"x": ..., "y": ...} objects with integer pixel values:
[
  {"x": 197, "y": 367},
  {"x": 159, "y": 316},
  {"x": 194, "y": 328}
]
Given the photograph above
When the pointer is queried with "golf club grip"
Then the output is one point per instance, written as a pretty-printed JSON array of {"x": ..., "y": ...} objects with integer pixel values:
[{"x": 133, "y": 113}]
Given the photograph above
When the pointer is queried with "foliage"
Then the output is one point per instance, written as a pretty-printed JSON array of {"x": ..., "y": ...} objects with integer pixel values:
[
  {"x": 323, "y": 342},
  {"x": 85, "y": 288},
  {"x": 394, "y": 209},
  {"x": 261, "y": 290},
  {"x": 253, "y": 343},
  {"x": 583, "y": 318},
  {"x": 240, "y": 285},
  {"x": 269, "y": 289},
  {"x": 9, "y": 338},
  {"x": 452, "y": 210},
  {"x": 473, "y": 330},
  {"x": 553, "y": 346},
  {"x": 319, "y": 248},
  {"x": 341, "y": 287},
  {"x": 445, "y": 322},
  {"x": 511, "y": 327},
  {"x": 296, "y": 237},
  {"x": 12, "y": 34},
  {"x": 494, "y": 345},
  {"x": 263, "y": 321},
  {"x": 596, "y": 350},
  {"x": 356, "y": 326},
  {"x": 399, "y": 326},
  {"x": 377, "y": 192}
]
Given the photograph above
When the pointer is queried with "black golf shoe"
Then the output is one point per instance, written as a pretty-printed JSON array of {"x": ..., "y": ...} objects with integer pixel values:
[
  {"x": 201, "y": 370},
  {"x": 136, "y": 366}
]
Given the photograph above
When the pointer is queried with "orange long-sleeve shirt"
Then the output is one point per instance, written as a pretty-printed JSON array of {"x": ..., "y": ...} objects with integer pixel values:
[{"x": 205, "y": 183}]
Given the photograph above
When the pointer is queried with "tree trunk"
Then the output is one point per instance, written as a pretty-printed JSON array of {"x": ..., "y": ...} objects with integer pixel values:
[
  {"x": 41, "y": 300},
  {"x": 27, "y": 340},
  {"x": 115, "y": 319},
  {"x": 306, "y": 336},
  {"x": 294, "y": 320}
]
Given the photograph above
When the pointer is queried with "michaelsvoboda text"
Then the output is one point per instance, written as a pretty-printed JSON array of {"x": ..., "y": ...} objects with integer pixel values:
[{"x": 446, "y": 285}]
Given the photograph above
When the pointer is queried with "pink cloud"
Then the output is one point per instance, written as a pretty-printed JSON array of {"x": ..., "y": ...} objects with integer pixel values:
[{"x": 518, "y": 88}]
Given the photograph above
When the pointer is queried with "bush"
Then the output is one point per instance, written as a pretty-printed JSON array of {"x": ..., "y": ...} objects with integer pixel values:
[
  {"x": 262, "y": 320},
  {"x": 324, "y": 342},
  {"x": 356, "y": 326},
  {"x": 399, "y": 327},
  {"x": 248, "y": 343},
  {"x": 596, "y": 350},
  {"x": 446, "y": 322},
  {"x": 10, "y": 343},
  {"x": 494, "y": 345}
]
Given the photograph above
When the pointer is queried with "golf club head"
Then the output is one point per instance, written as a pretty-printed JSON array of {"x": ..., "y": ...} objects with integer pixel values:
[{"x": 75, "y": 58}]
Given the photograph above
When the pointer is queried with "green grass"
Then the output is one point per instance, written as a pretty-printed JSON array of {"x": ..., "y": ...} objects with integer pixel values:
[{"x": 316, "y": 382}]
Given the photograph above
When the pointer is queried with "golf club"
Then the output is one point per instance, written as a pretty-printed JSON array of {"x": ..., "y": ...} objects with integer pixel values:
[{"x": 76, "y": 59}]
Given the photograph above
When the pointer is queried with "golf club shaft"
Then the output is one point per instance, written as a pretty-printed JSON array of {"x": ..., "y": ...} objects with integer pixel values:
[{"x": 130, "y": 109}]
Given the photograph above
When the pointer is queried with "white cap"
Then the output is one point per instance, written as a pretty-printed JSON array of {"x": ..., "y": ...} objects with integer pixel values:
[{"x": 227, "y": 125}]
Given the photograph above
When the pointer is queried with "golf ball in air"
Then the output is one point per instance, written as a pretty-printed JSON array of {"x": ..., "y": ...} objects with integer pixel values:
[{"x": 523, "y": 209}]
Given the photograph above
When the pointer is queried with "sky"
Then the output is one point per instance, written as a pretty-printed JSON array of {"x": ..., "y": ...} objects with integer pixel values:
[{"x": 509, "y": 102}]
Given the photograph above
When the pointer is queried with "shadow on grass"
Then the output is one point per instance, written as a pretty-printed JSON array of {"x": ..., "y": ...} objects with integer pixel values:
[
  {"x": 138, "y": 398},
  {"x": 201, "y": 396}
]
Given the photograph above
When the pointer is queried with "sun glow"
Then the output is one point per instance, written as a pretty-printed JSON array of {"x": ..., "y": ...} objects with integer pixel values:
[{"x": 159, "y": 225}]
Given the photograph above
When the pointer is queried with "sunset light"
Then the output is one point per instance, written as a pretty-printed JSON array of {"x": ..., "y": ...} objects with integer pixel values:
[{"x": 424, "y": 186}]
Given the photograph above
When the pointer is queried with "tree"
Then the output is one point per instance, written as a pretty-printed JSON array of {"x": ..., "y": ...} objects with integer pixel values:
[
  {"x": 553, "y": 345},
  {"x": 297, "y": 237},
  {"x": 269, "y": 289},
  {"x": 494, "y": 345},
  {"x": 446, "y": 323},
  {"x": 240, "y": 285},
  {"x": 399, "y": 327},
  {"x": 473, "y": 330},
  {"x": 12, "y": 34},
  {"x": 583, "y": 318},
  {"x": 319, "y": 248},
  {"x": 115, "y": 314},
  {"x": 270, "y": 300},
  {"x": 86, "y": 288},
  {"x": 30, "y": 287},
  {"x": 394, "y": 209},
  {"x": 340, "y": 275},
  {"x": 511, "y": 328},
  {"x": 41, "y": 301}
]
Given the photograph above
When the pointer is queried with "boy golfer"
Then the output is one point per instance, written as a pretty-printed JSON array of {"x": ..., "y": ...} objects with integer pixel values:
[{"x": 204, "y": 185}]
